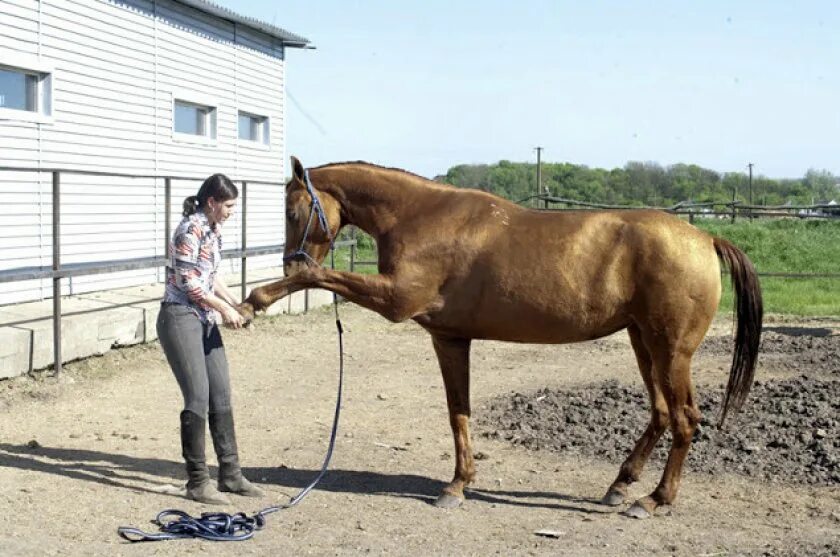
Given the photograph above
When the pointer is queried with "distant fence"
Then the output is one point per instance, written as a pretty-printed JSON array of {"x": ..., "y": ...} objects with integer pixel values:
[
  {"x": 731, "y": 210},
  {"x": 58, "y": 271}
]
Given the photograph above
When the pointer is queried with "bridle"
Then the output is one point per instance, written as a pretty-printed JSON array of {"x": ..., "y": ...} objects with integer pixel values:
[{"x": 315, "y": 208}]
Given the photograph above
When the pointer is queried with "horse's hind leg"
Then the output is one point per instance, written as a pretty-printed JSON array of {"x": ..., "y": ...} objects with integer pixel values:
[
  {"x": 672, "y": 374},
  {"x": 631, "y": 469},
  {"x": 454, "y": 358}
]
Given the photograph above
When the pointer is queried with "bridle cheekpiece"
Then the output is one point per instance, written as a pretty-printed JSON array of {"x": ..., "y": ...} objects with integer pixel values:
[{"x": 315, "y": 208}]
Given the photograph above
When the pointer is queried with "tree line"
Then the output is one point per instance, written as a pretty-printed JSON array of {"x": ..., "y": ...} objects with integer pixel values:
[{"x": 642, "y": 183}]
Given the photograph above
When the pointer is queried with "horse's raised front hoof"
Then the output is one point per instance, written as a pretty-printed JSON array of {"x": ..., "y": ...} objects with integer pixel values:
[
  {"x": 638, "y": 510},
  {"x": 613, "y": 498},
  {"x": 448, "y": 501},
  {"x": 246, "y": 310}
]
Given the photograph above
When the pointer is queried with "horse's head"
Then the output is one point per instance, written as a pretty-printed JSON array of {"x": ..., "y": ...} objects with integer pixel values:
[{"x": 312, "y": 222}]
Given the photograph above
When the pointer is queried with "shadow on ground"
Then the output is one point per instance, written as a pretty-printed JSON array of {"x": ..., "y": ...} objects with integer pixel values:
[{"x": 132, "y": 473}]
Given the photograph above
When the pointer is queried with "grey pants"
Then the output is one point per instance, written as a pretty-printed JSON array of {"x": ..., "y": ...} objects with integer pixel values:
[{"x": 197, "y": 357}]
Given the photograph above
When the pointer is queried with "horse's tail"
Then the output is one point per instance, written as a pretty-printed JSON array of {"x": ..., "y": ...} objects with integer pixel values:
[{"x": 748, "y": 310}]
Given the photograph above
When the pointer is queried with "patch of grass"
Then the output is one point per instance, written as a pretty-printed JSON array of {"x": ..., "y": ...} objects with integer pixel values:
[
  {"x": 342, "y": 260},
  {"x": 788, "y": 246},
  {"x": 365, "y": 252},
  {"x": 802, "y": 297}
]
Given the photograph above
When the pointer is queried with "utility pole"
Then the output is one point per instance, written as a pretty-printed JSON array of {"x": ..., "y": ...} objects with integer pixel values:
[
  {"x": 734, "y": 198},
  {"x": 750, "y": 165},
  {"x": 539, "y": 175}
]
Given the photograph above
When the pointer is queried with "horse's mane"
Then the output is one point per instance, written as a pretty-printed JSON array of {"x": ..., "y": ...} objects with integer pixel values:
[{"x": 377, "y": 166}]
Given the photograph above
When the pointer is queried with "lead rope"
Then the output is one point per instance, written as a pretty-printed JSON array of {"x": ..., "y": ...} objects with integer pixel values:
[{"x": 223, "y": 527}]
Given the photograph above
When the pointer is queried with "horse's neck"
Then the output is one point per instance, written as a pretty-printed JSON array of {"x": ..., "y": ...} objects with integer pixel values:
[{"x": 371, "y": 200}]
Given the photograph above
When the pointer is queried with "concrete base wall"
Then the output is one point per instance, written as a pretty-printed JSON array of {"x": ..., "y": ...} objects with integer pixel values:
[{"x": 94, "y": 323}]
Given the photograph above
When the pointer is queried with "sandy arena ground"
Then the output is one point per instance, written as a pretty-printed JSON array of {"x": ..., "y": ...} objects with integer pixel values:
[{"x": 98, "y": 448}]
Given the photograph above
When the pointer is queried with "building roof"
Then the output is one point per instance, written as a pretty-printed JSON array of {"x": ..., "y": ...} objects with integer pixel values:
[{"x": 289, "y": 39}]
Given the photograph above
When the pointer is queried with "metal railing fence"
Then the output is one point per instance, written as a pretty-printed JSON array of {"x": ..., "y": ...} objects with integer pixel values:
[{"x": 58, "y": 271}]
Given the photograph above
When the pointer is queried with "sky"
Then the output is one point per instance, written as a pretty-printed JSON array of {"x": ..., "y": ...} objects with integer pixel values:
[{"x": 426, "y": 85}]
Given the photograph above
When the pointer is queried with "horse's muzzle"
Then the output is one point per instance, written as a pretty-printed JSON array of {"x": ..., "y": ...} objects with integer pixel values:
[{"x": 294, "y": 265}]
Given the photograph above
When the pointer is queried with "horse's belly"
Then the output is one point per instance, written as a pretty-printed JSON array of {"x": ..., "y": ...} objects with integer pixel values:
[{"x": 524, "y": 324}]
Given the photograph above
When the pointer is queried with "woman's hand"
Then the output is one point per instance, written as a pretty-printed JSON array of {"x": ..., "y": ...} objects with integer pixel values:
[{"x": 231, "y": 317}]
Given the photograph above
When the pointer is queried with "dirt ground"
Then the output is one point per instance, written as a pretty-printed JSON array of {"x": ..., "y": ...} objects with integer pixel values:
[
  {"x": 98, "y": 448},
  {"x": 787, "y": 431}
]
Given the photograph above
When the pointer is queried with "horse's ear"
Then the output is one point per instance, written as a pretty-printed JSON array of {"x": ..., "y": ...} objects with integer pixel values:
[{"x": 297, "y": 170}]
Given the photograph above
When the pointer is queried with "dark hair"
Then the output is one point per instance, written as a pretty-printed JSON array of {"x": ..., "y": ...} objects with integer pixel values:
[{"x": 217, "y": 186}]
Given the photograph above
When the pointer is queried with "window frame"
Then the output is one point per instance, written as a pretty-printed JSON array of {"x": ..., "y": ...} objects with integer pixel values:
[
  {"x": 197, "y": 100},
  {"x": 43, "y": 74},
  {"x": 264, "y": 124}
]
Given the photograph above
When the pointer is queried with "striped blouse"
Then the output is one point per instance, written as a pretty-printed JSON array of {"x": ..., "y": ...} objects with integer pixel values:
[{"x": 195, "y": 253}]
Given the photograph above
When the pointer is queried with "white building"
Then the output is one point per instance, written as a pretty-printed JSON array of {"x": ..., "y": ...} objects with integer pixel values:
[{"x": 143, "y": 87}]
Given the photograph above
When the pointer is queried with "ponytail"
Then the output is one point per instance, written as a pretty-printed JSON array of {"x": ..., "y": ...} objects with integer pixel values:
[
  {"x": 217, "y": 186},
  {"x": 190, "y": 205}
]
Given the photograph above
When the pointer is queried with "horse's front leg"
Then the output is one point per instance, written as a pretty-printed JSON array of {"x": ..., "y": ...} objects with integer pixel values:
[
  {"x": 454, "y": 358},
  {"x": 374, "y": 292},
  {"x": 261, "y": 298}
]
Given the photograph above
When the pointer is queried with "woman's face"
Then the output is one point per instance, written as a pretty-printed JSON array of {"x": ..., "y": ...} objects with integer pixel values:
[{"x": 219, "y": 211}]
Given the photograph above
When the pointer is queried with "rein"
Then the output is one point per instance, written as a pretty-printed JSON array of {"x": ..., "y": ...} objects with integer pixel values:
[{"x": 223, "y": 527}]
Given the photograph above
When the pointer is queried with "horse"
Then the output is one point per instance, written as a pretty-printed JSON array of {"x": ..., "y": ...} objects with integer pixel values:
[{"x": 467, "y": 265}]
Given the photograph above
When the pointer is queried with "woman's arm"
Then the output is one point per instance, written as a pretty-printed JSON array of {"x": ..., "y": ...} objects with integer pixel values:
[
  {"x": 222, "y": 291},
  {"x": 225, "y": 299},
  {"x": 230, "y": 315}
]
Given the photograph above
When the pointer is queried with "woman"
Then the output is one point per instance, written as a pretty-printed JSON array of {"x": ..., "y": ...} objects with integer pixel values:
[{"x": 192, "y": 343}]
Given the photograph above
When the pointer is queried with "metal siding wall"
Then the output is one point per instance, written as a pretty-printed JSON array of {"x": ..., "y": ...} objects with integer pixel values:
[
  {"x": 116, "y": 71},
  {"x": 26, "y": 195},
  {"x": 261, "y": 89},
  {"x": 18, "y": 140},
  {"x": 25, "y": 229},
  {"x": 266, "y": 222},
  {"x": 104, "y": 68},
  {"x": 104, "y": 64},
  {"x": 195, "y": 58},
  {"x": 20, "y": 25}
]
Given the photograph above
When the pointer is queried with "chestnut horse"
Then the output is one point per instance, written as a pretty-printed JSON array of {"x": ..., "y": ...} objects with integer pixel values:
[{"x": 465, "y": 264}]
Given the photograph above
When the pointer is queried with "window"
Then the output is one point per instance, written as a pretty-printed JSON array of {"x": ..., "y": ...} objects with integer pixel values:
[
  {"x": 253, "y": 128},
  {"x": 194, "y": 119},
  {"x": 25, "y": 92},
  {"x": 18, "y": 90}
]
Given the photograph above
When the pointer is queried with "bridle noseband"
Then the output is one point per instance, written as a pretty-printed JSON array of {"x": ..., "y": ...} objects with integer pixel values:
[{"x": 314, "y": 209}]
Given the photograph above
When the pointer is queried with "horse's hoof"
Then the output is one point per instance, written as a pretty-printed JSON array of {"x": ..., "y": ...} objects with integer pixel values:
[
  {"x": 613, "y": 498},
  {"x": 448, "y": 501},
  {"x": 247, "y": 311},
  {"x": 637, "y": 511}
]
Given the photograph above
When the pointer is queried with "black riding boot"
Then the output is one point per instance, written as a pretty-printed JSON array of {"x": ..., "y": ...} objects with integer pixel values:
[
  {"x": 199, "y": 487},
  {"x": 224, "y": 440}
]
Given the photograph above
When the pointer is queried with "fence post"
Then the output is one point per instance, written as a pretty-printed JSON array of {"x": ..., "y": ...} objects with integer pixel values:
[
  {"x": 167, "y": 217},
  {"x": 353, "y": 250},
  {"x": 244, "y": 259},
  {"x": 734, "y": 194},
  {"x": 56, "y": 266}
]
